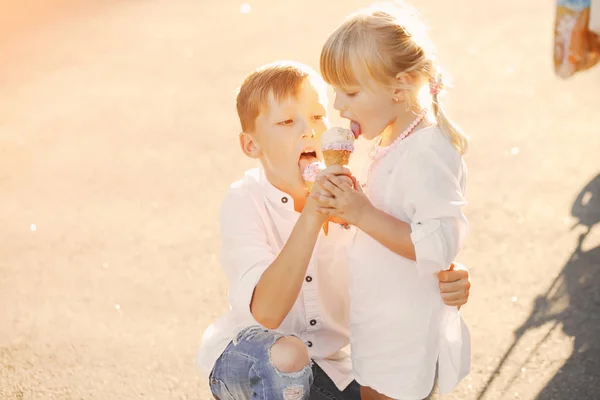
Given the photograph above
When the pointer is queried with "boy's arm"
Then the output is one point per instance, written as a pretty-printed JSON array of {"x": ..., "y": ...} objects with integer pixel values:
[
  {"x": 262, "y": 283},
  {"x": 280, "y": 284}
]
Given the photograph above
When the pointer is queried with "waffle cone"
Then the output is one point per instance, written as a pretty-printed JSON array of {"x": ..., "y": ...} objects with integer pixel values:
[
  {"x": 309, "y": 186},
  {"x": 336, "y": 157}
]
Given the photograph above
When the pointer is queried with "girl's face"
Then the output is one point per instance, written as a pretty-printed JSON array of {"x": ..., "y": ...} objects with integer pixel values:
[{"x": 370, "y": 109}]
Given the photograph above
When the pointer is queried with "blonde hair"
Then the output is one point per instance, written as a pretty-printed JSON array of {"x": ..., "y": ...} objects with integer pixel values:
[
  {"x": 377, "y": 44},
  {"x": 282, "y": 79}
]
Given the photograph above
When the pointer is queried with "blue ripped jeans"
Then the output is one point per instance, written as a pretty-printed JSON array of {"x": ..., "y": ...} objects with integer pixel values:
[{"x": 244, "y": 371}]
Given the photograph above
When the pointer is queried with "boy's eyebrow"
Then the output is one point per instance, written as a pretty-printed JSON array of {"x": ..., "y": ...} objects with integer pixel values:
[
  {"x": 282, "y": 110},
  {"x": 278, "y": 114}
]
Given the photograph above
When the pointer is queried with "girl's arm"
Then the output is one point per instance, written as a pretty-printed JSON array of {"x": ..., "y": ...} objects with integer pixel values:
[
  {"x": 454, "y": 283},
  {"x": 355, "y": 208},
  {"x": 431, "y": 194},
  {"x": 387, "y": 230}
]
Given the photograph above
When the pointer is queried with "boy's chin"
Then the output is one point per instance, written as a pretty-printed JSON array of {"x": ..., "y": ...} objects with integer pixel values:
[
  {"x": 298, "y": 187},
  {"x": 290, "y": 182}
]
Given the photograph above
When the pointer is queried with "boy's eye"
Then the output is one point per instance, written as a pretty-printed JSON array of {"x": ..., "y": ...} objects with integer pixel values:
[
  {"x": 351, "y": 94},
  {"x": 286, "y": 122},
  {"x": 319, "y": 117}
]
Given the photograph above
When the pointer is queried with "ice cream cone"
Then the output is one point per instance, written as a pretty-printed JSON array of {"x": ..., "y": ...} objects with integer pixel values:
[
  {"x": 336, "y": 157},
  {"x": 337, "y": 145},
  {"x": 309, "y": 175},
  {"x": 309, "y": 186}
]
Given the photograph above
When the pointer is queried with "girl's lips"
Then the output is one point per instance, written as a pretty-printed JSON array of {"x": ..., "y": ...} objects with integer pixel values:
[{"x": 355, "y": 128}]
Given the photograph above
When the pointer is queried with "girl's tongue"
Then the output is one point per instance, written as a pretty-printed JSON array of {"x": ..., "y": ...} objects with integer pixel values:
[{"x": 355, "y": 128}]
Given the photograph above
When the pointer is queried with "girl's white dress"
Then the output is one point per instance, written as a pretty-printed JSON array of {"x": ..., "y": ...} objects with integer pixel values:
[{"x": 399, "y": 327}]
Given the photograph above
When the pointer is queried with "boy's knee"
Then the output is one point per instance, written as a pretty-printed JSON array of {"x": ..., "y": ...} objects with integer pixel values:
[{"x": 289, "y": 354}]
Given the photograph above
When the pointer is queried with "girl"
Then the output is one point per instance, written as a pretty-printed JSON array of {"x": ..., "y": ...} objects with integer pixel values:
[{"x": 409, "y": 219}]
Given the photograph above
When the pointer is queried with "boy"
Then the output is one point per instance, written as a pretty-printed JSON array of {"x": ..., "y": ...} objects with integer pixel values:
[{"x": 288, "y": 283}]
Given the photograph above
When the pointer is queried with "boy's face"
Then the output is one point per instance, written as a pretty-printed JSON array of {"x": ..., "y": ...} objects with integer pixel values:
[{"x": 288, "y": 136}]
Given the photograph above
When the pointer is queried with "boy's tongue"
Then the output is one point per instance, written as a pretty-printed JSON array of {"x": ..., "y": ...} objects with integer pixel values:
[{"x": 306, "y": 159}]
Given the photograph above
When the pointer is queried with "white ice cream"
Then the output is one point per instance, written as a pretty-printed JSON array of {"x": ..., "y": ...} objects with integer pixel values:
[{"x": 337, "y": 138}]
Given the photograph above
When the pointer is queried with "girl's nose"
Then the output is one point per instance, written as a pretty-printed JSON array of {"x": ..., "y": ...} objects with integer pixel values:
[{"x": 337, "y": 104}]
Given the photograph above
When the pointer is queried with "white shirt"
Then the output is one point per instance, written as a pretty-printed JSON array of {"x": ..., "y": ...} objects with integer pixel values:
[
  {"x": 399, "y": 327},
  {"x": 256, "y": 222}
]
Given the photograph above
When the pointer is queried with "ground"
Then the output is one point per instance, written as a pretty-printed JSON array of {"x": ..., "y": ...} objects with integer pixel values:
[{"x": 118, "y": 139}]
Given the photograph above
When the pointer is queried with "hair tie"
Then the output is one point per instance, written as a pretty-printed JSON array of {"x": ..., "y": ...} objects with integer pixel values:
[{"x": 436, "y": 85}]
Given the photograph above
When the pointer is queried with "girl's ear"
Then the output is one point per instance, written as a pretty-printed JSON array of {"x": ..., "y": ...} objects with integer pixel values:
[
  {"x": 250, "y": 145},
  {"x": 402, "y": 86}
]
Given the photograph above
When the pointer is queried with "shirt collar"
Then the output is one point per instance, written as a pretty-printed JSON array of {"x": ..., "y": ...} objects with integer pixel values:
[{"x": 275, "y": 196}]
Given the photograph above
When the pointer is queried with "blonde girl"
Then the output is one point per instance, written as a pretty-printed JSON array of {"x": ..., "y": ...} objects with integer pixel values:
[{"x": 409, "y": 214}]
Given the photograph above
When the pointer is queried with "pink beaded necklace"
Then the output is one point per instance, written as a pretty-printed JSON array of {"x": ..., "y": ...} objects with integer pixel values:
[{"x": 380, "y": 152}]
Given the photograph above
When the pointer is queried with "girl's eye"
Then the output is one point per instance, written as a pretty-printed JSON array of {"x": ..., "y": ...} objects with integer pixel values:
[
  {"x": 351, "y": 94},
  {"x": 319, "y": 117},
  {"x": 286, "y": 122}
]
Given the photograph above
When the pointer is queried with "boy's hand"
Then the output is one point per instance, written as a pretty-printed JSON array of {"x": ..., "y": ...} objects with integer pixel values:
[
  {"x": 311, "y": 206},
  {"x": 342, "y": 199},
  {"x": 455, "y": 285}
]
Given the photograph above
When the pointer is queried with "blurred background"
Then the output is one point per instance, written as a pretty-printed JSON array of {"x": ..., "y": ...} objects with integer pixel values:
[{"x": 118, "y": 139}]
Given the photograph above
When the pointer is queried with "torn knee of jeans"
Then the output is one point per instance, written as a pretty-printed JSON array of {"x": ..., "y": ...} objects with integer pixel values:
[
  {"x": 293, "y": 392},
  {"x": 293, "y": 375},
  {"x": 291, "y": 369}
]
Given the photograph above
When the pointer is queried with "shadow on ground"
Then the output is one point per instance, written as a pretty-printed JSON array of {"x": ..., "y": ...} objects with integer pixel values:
[{"x": 572, "y": 302}]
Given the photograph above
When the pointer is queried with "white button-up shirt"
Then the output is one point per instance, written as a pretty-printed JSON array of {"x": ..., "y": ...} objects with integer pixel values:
[
  {"x": 399, "y": 327},
  {"x": 256, "y": 222}
]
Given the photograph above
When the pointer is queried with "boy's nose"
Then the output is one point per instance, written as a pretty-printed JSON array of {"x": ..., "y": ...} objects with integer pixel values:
[{"x": 309, "y": 133}]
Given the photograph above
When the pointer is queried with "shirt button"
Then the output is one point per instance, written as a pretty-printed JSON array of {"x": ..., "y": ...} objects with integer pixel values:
[
  {"x": 308, "y": 278},
  {"x": 284, "y": 200},
  {"x": 313, "y": 322},
  {"x": 309, "y": 343}
]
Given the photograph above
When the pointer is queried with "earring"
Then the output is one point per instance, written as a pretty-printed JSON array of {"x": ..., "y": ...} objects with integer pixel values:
[{"x": 395, "y": 99}]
